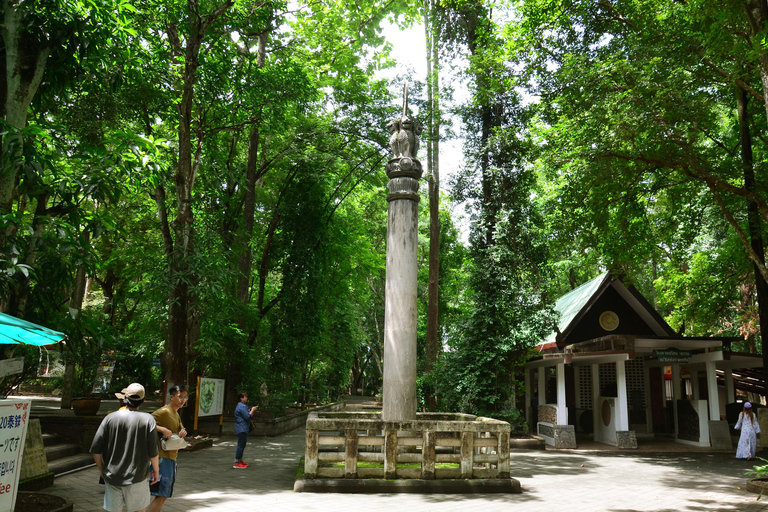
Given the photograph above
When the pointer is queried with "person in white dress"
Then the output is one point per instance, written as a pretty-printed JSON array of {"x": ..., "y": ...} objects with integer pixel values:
[{"x": 749, "y": 429}]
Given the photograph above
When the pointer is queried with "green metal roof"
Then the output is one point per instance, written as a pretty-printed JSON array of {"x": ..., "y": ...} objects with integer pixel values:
[
  {"x": 571, "y": 304},
  {"x": 15, "y": 330}
]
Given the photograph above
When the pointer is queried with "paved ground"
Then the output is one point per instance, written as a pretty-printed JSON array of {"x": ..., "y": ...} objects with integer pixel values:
[{"x": 551, "y": 481}]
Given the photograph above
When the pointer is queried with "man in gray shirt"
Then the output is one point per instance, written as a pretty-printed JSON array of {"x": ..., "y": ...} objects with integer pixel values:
[{"x": 124, "y": 447}]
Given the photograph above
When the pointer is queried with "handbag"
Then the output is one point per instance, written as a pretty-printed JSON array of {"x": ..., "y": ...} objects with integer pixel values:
[
  {"x": 251, "y": 427},
  {"x": 173, "y": 443}
]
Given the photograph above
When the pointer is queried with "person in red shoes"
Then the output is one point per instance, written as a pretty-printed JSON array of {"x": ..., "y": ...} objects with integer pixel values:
[{"x": 242, "y": 427}]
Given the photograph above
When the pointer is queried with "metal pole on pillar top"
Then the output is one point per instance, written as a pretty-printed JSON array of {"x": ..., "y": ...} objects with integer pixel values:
[{"x": 405, "y": 99}]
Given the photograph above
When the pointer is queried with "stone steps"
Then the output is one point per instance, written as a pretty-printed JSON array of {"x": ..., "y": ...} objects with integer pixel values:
[
  {"x": 51, "y": 439},
  {"x": 60, "y": 451},
  {"x": 70, "y": 463},
  {"x": 63, "y": 457}
]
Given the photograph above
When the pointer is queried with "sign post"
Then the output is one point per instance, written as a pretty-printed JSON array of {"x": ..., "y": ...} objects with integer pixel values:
[{"x": 14, "y": 417}]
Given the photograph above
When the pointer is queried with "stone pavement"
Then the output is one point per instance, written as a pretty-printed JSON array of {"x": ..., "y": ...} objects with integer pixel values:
[{"x": 551, "y": 480}]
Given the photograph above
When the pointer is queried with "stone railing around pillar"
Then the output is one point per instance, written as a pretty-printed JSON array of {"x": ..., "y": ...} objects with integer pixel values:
[
  {"x": 433, "y": 446},
  {"x": 559, "y": 436}
]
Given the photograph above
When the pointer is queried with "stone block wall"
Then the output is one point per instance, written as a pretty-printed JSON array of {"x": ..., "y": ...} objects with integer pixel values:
[
  {"x": 33, "y": 460},
  {"x": 626, "y": 439}
]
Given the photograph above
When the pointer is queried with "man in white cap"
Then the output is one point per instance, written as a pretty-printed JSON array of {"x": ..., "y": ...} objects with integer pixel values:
[{"x": 124, "y": 447}]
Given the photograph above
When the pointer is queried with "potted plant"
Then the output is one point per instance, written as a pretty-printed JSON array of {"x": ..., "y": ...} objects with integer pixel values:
[
  {"x": 760, "y": 482},
  {"x": 84, "y": 401},
  {"x": 85, "y": 360}
]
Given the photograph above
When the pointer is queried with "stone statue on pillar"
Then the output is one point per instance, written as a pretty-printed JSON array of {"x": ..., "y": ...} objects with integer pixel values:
[{"x": 404, "y": 141}]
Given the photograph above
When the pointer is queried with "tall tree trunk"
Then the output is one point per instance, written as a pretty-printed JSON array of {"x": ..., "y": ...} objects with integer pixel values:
[
  {"x": 433, "y": 159},
  {"x": 75, "y": 307},
  {"x": 181, "y": 300},
  {"x": 25, "y": 60},
  {"x": 753, "y": 217},
  {"x": 249, "y": 201},
  {"x": 757, "y": 14},
  {"x": 245, "y": 237}
]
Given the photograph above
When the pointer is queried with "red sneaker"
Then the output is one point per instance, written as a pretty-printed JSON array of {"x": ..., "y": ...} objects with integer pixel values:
[{"x": 240, "y": 465}]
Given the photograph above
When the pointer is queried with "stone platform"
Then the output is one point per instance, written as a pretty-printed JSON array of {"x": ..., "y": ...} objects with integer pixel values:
[
  {"x": 359, "y": 445},
  {"x": 451, "y": 486}
]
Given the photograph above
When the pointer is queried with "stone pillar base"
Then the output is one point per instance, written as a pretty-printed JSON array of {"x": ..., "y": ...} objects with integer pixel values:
[
  {"x": 626, "y": 439},
  {"x": 557, "y": 436},
  {"x": 565, "y": 436},
  {"x": 720, "y": 435}
]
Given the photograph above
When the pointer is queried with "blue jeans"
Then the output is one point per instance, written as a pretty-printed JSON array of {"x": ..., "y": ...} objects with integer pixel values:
[
  {"x": 242, "y": 439},
  {"x": 164, "y": 486}
]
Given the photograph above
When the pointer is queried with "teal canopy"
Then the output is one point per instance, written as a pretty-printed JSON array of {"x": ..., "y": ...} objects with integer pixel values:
[{"x": 15, "y": 330}]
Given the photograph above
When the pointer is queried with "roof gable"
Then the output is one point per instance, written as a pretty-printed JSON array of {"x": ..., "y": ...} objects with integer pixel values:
[{"x": 580, "y": 312}]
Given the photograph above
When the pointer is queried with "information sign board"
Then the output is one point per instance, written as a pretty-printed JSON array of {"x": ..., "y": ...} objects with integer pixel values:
[
  {"x": 210, "y": 397},
  {"x": 14, "y": 417}
]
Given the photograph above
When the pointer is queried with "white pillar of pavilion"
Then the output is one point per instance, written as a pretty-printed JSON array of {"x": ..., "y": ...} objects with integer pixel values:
[
  {"x": 713, "y": 397},
  {"x": 400, "y": 307},
  {"x": 622, "y": 409},
  {"x": 562, "y": 410}
]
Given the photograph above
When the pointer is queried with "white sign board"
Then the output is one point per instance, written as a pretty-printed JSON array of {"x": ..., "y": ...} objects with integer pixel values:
[
  {"x": 210, "y": 401},
  {"x": 11, "y": 366},
  {"x": 14, "y": 416}
]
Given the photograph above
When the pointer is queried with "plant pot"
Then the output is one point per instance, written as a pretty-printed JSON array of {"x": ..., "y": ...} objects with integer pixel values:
[
  {"x": 757, "y": 485},
  {"x": 42, "y": 502},
  {"x": 86, "y": 406}
]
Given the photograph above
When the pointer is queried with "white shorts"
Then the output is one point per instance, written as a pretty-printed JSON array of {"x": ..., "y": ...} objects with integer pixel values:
[{"x": 126, "y": 498}]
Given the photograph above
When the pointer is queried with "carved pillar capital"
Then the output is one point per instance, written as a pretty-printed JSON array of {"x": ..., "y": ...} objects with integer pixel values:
[{"x": 404, "y": 174}]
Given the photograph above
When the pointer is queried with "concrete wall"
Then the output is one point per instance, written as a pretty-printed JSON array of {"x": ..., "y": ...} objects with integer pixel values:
[
  {"x": 268, "y": 428},
  {"x": 80, "y": 430}
]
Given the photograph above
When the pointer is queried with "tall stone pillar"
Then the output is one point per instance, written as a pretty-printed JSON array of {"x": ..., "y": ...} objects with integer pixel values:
[{"x": 400, "y": 308}]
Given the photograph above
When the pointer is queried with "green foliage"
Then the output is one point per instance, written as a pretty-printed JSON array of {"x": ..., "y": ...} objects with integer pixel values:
[
  {"x": 638, "y": 150},
  {"x": 759, "y": 471},
  {"x": 505, "y": 314},
  {"x": 623, "y": 154}
]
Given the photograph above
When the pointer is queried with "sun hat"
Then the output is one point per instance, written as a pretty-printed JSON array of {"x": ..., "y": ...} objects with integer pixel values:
[
  {"x": 747, "y": 405},
  {"x": 133, "y": 392}
]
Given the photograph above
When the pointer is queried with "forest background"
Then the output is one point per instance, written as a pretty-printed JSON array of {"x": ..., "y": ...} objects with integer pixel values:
[{"x": 202, "y": 181}]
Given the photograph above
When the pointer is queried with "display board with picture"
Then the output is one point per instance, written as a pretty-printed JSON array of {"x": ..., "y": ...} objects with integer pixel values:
[{"x": 210, "y": 397}]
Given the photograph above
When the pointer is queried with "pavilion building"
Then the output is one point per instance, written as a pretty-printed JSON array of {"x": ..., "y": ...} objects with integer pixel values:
[{"x": 615, "y": 370}]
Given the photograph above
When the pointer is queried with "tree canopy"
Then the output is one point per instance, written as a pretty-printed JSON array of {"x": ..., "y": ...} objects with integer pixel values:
[{"x": 204, "y": 182}]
